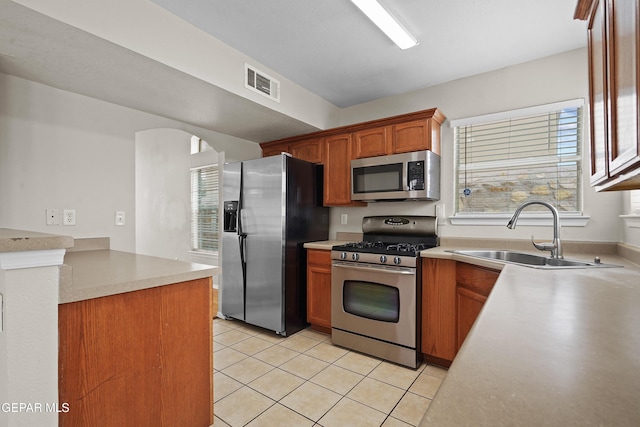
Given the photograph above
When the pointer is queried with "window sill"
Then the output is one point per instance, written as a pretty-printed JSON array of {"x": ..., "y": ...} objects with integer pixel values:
[
  {"x": 632, "y": 221},
  {"x": 204, "y": 257},
  {"x": 545, "y": 220}
]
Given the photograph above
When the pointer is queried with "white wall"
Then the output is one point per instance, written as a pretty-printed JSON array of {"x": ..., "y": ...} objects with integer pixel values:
[
  {"x": 163, "y": 193},
  {"x": 546, "y": 80},
  {"x": 66, "y": 151},
  {"x": 29, "y": 346}
]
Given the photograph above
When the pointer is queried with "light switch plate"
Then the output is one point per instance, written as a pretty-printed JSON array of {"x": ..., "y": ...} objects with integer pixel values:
[{"x": 119, "y": 218}]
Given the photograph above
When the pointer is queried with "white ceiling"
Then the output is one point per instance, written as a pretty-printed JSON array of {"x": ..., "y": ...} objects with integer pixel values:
[
  {"x": 328, "y": 47},
  {"x": 333, "y": 50}
]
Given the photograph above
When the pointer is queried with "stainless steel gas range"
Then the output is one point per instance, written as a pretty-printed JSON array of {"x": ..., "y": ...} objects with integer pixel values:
[{"x": 376, "y": 288}]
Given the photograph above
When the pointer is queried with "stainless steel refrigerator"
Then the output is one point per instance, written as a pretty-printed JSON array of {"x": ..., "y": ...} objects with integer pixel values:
[{"x": 272, "y": 206}]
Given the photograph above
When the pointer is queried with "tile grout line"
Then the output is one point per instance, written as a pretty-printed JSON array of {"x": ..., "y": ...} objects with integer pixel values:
[{"x": 254, "y": 333}]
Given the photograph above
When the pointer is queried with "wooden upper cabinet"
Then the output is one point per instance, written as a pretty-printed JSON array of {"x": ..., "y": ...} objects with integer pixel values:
[
  {"x": 598, "y": 95},
  {"x": 372, "y": 142},
  {"x": 335, "y": 148},
  {"x": 614, "y": 76},
  {"x": 311, "y": 150},
  {"x": 624, "y": 148},
  {"x": 337, "y": 171},
  {"x": 274, "y": 149},
  {"x": 412, "y": 136}
]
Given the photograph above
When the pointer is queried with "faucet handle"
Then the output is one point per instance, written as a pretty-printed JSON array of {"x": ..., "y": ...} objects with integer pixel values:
[{"x": 544, "y": 246}]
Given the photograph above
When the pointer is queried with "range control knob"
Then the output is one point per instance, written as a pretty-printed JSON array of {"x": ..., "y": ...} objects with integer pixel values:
[
  {"x": 397, "y": 260},
  {"x": 355, "y": 257},
  {"x": 343, "y": 255},
  {"x": 383, "y": 258}
]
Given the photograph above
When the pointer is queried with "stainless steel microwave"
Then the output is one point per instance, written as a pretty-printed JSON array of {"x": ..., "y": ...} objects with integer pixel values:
[{"x": 406, "y": 176}]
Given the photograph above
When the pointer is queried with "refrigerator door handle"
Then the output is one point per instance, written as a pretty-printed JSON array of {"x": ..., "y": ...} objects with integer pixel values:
[{"x": 242, "y": 240}]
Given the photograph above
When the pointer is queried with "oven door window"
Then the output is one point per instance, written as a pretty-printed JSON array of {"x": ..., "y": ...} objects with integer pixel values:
[
  {"x": 376, "y": 179},
  {"x": 371, "y": 300}
]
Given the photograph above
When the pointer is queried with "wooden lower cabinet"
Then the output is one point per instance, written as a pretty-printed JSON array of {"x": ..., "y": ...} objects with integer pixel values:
[
  {"x": 438, "y": 310},
  {"x": 473, "y": 286},
  {"x": 453, "y": 294},
  {"x": 142, "y": 358},
  {"x": 319, "y": 289}
]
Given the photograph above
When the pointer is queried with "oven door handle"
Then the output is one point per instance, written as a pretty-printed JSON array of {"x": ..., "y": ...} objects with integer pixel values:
[{"x": 377, "y": 268}]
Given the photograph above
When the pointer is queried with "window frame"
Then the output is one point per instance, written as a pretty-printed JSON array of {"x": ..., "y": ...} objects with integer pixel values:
[
  {"x": 194, "y": 247},
  {"x": 572, "y": 218}
]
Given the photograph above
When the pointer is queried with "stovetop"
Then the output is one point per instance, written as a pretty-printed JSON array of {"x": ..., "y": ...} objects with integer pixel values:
[
  {"x": 387, "y": 248},
  {"x": 390, "y": 240}
]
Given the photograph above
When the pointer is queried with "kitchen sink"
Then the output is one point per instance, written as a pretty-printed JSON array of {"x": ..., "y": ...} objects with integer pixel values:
[{"x": 530, "y": 260}]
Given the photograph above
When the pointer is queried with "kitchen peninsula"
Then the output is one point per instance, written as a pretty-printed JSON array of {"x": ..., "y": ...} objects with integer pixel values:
[
  {"x": 135, "y": 340},
  {"x": 550, "y": 347},
  {"x": 132, "y": 334}
]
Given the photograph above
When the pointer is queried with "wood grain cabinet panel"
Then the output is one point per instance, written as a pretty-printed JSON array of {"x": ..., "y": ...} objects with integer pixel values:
[
  {"x": 411, "y": 136},
  {"x": 372, "y": 142},
  {"x": 614, "y": 77},
  {"x": 319, "y": 289},
  {"x": 142, "y": 358},
  {"x": 473, "y": 286},
  {"x": 453, "y": 294},
  {"x": 335, "y": 148},
  {"x": 438, "y": 309},
  {"x": 274, "y": 149},
  {"x": 311, "y": 151},
  {"x": 337, "y": 171}
]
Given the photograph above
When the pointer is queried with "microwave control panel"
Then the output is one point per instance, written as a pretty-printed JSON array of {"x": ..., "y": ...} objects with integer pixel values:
[{"x": 415, "y": 175}]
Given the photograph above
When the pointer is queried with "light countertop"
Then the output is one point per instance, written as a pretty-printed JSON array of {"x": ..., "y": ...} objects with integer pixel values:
[
  {"x": 325, "y": 244},
  {"x": 22, "y": 240},
  {"x": 559, "y": 347},
  {"x": 97, "y": 273}
]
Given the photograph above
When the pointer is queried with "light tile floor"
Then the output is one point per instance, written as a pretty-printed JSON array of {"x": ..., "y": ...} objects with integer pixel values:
[{"x": 263, "y": 379}]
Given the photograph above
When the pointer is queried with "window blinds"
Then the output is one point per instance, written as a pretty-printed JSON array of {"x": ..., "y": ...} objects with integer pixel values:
[
  {"x": 502, "y": 163},
  {"x": 204, "y": 209}
]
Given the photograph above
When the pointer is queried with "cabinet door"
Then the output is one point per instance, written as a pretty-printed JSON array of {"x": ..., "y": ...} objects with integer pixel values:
[
  {"x": 337, "y": 171},
  {"x": 468, "y": 306},
  {"x": 473, "y": 286},
  {"x": 598, "y": 94},
  {"x": 274, "y": 149},
  {"x": 439, "y": 308},
  {"x": 624, "y": 151},
  {"x": 372, "y": 142},
  {"x": 319, "y": 289},
  {"x": 411, "y": 136},
  {"x": 311, "y": 150}
]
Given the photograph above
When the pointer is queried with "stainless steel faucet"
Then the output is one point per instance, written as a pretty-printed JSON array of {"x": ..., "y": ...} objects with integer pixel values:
[{"x": 556, "y": 246}]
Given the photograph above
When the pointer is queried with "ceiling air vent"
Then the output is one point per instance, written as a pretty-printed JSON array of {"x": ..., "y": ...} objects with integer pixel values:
[{"x": 262, "y": 83}]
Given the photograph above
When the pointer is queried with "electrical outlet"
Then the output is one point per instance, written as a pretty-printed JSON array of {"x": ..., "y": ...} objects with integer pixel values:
[
  {"x": 119, "y": 218},
  {"x": 440, "y": 212},
  {"x": 53, "y": 216},
  {"x": 69, "y": 217},
  {"x": 1, "y": 313},
  {"x": 344, "y": 218}
]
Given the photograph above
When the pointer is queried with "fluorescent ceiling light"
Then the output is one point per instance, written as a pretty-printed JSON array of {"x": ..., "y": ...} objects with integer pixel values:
[{"x": 386, "y": 23}]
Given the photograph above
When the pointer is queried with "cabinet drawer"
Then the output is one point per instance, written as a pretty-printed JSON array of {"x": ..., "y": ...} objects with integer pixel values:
[
  {"x": 318, "y": 256},
  {"x": 474, "y": 277}
]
